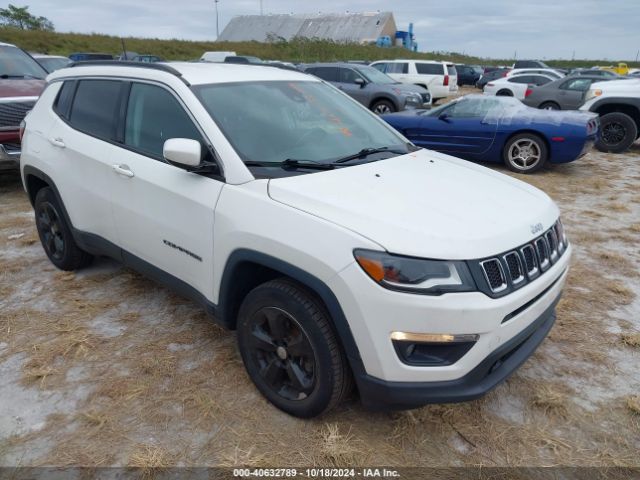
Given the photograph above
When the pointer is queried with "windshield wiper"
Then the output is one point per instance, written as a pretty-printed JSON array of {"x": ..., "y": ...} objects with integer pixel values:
[
  {"x": 292, "y": 164},
  {"x": 28, "y": 77},
  {"x": 365, "y": 152}
]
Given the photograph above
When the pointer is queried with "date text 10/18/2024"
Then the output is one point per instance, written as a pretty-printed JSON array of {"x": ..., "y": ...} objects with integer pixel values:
[{"x": 316, "y": 473}]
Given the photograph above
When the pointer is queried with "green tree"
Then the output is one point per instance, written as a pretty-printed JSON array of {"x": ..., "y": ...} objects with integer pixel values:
[{"x": 19, "y": 17}]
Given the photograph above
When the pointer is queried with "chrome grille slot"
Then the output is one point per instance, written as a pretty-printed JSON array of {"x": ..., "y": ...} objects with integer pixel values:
[
  {"x": 514, "y": 265},
  {"x": 530, "y": 262},
  {"x": 552, "y": 241},
  {"x": 542, "y": 249},
  {"x": 494, "y": 275}
]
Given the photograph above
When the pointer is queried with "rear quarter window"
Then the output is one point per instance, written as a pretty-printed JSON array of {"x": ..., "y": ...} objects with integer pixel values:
[
  {"x": 95, "y": 107},
  {"x": 430, "y": 68},
  {"x": 62, "y": 105}
]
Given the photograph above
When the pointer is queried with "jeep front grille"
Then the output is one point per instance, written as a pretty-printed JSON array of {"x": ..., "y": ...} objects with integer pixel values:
[
  {"x": 12, "y": 113},
  {"x": 516, "y": 268}
]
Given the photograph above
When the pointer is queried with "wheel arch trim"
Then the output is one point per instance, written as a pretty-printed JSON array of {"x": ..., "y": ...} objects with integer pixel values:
[{"x": 316, "y": 285}]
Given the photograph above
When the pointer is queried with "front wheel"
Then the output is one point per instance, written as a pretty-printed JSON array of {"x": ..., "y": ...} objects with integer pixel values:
[
  {"x": 290, "y": 350},
  {"x": 381, "y": 107},
  {"x": 525, "y": 153},
  {"x": 618, "y": 131}
]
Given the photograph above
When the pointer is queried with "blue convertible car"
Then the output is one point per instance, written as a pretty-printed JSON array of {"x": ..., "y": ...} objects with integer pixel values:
[{"x": 499, "y": 129}]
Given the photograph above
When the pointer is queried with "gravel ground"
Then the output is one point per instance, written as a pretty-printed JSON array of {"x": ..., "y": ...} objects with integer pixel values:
[{"x": 105, "y": 368}]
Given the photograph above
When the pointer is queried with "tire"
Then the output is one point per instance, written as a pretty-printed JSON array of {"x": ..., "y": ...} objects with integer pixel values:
[
  {"x": 618, "y": 131},
  {"x": 549, "y": 106},
  {"x": 55, "y": 234},
  {"x": 525, "y": 153},
  {"x": 290, "y": 350},
  {"x": 380, "y": 107},
  {"x": 504, "y": 93}
]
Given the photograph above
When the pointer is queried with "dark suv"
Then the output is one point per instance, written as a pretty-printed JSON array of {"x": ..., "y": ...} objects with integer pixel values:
[
  {"x": 372, "y": 88},
  {"x": 21, "y": 83}
]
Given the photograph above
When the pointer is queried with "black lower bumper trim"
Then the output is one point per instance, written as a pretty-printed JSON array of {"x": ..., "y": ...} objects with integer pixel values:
[{"x": 379, "y": 394}]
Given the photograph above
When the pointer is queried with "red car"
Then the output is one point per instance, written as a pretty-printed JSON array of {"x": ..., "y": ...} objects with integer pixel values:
[{"x": 21, "y": 83}]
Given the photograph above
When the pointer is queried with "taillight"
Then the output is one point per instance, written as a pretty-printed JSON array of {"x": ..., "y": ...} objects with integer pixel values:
[
  {"x": 504, "y": 74},
  {"x": 23, "y": 124},
  {"x": 528, "y": 92},
  {"x": 446, "y": 81}
]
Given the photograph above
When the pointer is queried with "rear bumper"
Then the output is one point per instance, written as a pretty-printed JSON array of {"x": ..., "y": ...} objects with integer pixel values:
[
  {"x": 379, "y": 394},
  {"x": 9, "y": 156}
]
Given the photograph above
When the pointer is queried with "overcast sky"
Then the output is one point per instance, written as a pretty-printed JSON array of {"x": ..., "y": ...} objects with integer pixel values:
[{"x": 604, "y": 29}]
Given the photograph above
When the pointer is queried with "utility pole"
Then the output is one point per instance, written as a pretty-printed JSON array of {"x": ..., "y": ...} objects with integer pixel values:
[
  {"x": 637, "y": 55},
  {"x": 261, "y": 9},
  {"x": 217, "y": 24}
]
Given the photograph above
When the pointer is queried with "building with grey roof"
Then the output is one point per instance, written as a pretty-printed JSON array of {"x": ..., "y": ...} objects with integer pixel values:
[{"x": 347, "y": 27}]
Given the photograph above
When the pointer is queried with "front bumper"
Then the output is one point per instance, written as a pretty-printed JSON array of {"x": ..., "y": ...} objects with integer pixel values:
[
  {"x": 9, "y": 156},
  {"x": 495, "y": 368}
]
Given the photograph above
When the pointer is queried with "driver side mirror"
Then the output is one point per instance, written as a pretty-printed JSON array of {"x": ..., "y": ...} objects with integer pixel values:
[
  {"x": 444, "y": 117},
  {"x": 360, "y": 81},
  {"x": 184, "y": 152}
]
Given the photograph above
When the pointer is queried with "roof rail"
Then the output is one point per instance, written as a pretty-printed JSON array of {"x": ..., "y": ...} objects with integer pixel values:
[{"x": 124, "y": 63}]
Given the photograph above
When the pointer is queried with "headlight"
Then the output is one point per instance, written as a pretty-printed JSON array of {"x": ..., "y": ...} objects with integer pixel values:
[
  {"x": 592, "y": 93},
  {"x": 417, "y": 275}
]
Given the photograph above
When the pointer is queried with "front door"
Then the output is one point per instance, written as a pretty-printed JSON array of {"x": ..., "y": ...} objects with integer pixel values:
[{"x": 163, "y": 214}]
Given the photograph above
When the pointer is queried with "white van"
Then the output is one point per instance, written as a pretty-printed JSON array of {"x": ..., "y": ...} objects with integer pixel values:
[
  {"x": 440, "y": 78},
  {"x": 216, "y": 56}
]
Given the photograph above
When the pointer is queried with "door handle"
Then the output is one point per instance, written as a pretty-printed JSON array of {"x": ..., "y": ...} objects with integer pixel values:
[
  {"x": 58, "y": 142},
  {"x": 123, "y": 170}
]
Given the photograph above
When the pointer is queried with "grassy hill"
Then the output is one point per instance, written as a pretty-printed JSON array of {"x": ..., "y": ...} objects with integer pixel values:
[{"x": 299, "y": 50}]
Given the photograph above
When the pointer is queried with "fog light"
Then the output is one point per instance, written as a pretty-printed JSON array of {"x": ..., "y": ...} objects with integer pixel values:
[{"x": 432, "y": 350}]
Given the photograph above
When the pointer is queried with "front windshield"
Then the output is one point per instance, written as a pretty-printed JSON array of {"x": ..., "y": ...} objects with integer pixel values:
[
  {"x": 273, "y": 121},
  {"x": 14, "y": 63},
  {"x": 375, "y": 76}
]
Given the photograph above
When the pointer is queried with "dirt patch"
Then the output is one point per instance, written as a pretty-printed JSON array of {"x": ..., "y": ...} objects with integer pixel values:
[{"x": 103, "y": 367}]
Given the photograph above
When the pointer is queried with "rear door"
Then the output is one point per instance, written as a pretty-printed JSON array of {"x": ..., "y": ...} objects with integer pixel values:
[
  {"x": 571, "y": 93},
  {"x": 163, "y": 214},
  {"x": 83, "y": 143}
]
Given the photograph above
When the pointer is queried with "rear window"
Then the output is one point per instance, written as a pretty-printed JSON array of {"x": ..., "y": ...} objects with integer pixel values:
[
  {"x": 95, "y": 107},
  {"x": 451, "y": 70},
  {"x": 430, "y": 68}
]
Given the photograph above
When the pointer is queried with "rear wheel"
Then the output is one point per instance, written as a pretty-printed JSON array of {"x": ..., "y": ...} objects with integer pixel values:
[
  {"x": 290, "y": 350},
  {"x": 618, "y": 131},
  {"x": 525, "y": 153},
  {"x": 550, "y": 106},
  {"x": 55, "y": 234},
  {"x": 381, "y": 107},
  {"x": 504, "y": 93}
]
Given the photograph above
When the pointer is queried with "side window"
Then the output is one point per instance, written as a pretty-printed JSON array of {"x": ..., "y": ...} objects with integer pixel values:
[
  {"x": 521, "y": 79},
  {"x": 430, "y": 68},
  {"x": 397, "y": 68},
  {"x": 380, "y": 66},
  {"x": 540, "y": 80},
  {"x": 348, "y": 75},
  {"x": 62, "y": 106},
  {"x": 579, "y": 84},
  {"x": 328, "y": 74},
  {"x": 95, "y": 107},
  {"x": 154, "y": 116}
]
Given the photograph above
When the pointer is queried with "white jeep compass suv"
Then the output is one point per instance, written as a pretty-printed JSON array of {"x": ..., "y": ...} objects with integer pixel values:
[{"x": 335, "y": 248}]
